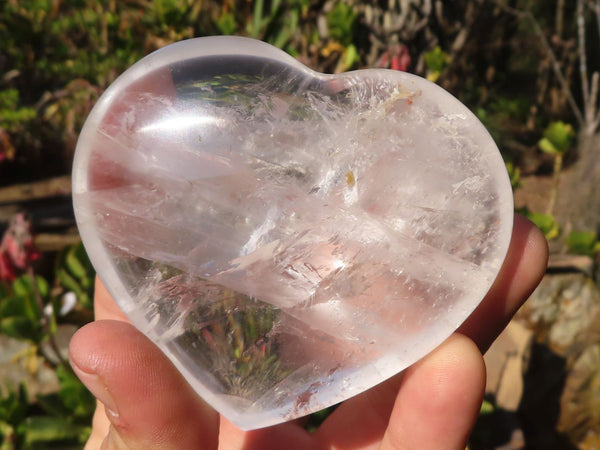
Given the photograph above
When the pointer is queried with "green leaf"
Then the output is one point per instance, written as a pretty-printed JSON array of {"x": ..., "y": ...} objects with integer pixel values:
[
  {"x": 13, "y": 306},
  {"x": 52, "y": 405},
  {"x": 75, "y": 266},
  {"x": 67, "y": 281},
  {"x": 287, "y": 30},
  {"x": 514, "y": 174},
  {"x": 547, "y": 146},
  {"x": 340, "y": 22},
  {"x": 317, "y": 418},
  {"x": 75, "y": 273},
  {"x": 487, "y": 407},
  {"x": 23, "y": 286},
  {"x": 23, "y": 304},
  {"x": 48, "y": 429},
  {"x": 558, "y": 138},
  {"x": 21, "y": 328},
  {"x": 70, "y": 284},
  {"x": 13, "y": 406},
  {"x": 7, "y": 433},
  {"x": 583, "y": 243},
  {"x": 74, "y": 394},
  {"x": 436, "y": 60},
  {"x": 12, "y": 116},
  {"x": 351, "y": 57},
  {"x": 226, "y": 23},
  {"x": 546, "y": 223}
]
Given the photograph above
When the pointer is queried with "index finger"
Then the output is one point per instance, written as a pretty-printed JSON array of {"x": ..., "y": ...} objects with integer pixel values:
[{"x": 523, "y": 268}]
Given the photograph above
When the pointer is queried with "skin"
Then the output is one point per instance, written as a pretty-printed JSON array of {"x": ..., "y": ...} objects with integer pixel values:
[{"x": 144, "y": 403}]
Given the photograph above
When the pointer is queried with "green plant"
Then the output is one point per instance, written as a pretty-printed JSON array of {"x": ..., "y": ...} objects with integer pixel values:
[
  {"x": 436, "y": 61},
  {"x": 21, "y": 310},
  {"x": 57, "y": 420},
  {"x": 583, "y": 243},
  {"x": 316, "y": 419},
  {"x": 557, "y": 140},
  {"x": 261, "y": 19},
  {"x": 32, "y": 310},
  {"x": 13, "y": 410},
  {"x": 504, "y": 117},
  {"x": 481, "y": 434},
  {"x": 341, "y": 24},
  {"x": 514, "y": 174},
  {"x": 226, "y": 23},
  {"x": 13, "y": 116},
  {"x": 545, "y": 222},
  {"x": 74, "y": 273}
]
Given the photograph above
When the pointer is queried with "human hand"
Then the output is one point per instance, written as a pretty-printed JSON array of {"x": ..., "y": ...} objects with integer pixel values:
[{"x": 145, "y": 403}]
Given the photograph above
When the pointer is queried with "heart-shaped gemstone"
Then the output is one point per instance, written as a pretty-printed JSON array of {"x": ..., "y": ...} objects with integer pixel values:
[{"x": 289, "y": 239}]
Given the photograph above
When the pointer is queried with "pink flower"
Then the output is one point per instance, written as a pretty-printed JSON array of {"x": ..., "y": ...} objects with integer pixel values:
[
  {"x": 17, "y": 250},
  {"x": 396, "y": 57}
]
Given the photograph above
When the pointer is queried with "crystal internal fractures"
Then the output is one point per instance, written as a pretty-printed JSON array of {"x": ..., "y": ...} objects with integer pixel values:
[{"x": 288, "y": 238}]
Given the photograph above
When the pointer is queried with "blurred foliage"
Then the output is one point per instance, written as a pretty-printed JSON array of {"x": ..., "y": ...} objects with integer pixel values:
[
  {"x": 57, "y": 56},
  {"x": 316, "y": 419},
  {"x": 583, "y": 243},
  {"x": 12, "y": 114},
  {"x": 53, "y": 420},
  {"x": 31, "y": 310},
  {"x": 482, "y": 433},
  {"x": 20, "y": 312},
  {"x": 74, "y": 273},
  {"x": 341, "y": 21},
  {"x": 558, "y": 138},
  {"x": 514, "y": 174},
  {"x": 436, "y": 61},
  {"x": 545, "y": 222}
]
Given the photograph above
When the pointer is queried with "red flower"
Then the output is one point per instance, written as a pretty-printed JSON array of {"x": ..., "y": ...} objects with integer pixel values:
[
  {"x": 396, "y": 57},
  {"x": 17, "y": 250},
  {"x": 7, "y": 272}
]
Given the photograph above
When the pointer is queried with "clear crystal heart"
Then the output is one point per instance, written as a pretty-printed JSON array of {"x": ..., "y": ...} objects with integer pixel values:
[{"x": 289, "y": 239}]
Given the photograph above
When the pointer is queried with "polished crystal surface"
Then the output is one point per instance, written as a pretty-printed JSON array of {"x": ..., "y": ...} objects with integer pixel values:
[{"x": 288, "y": 238}]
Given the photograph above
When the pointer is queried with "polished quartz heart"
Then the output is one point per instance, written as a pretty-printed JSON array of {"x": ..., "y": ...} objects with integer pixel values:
[{"x": 289, "y": 239}]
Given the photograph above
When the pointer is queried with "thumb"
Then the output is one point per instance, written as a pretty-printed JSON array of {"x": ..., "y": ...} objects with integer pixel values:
[{"x": 147, "y": 402}]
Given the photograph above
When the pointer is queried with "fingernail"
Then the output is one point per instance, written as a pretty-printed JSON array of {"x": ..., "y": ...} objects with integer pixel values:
[{"x": 99, "y": 390}]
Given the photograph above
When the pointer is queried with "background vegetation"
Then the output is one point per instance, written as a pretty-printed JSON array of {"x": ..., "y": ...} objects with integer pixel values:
[{"x": 528, "y": 69}]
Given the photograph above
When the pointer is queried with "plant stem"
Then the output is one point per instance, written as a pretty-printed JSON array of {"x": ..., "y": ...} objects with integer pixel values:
[
  {"x": 258, "y": 18},
  {"x": 560, "y": 11},
  {"x": 555, "y": 184},
  {"x": 585, "y": 86},
  {"x": 44, "y": 320},
  {"x": 555, "y": 64}
]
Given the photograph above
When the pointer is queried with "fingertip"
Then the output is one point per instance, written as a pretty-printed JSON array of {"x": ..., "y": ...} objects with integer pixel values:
[
  {"x": 524, "y": 265},
  {"x": 535, "y": 247},
  {"x": 523, "y": 268},
  {"x": 147, "y": 401},
  {"x": 439, "y": 399}
]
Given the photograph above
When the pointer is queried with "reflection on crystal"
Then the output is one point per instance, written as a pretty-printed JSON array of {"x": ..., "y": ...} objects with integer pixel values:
[{"x": 289, "y": 239}]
